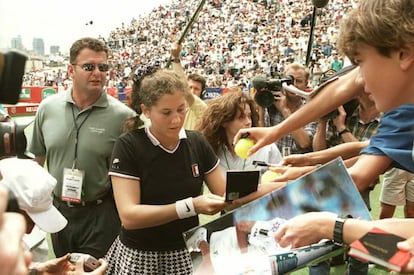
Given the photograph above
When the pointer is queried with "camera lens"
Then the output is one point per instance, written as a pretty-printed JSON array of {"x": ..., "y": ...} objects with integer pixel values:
[{"x": 264, "y": 98}]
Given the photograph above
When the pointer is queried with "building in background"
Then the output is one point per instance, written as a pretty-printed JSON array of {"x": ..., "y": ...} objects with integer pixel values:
[
  {"x": 54, "y": 49},
  {"x": 16, "y": 43},
  {"x": 38, "y": 46}
]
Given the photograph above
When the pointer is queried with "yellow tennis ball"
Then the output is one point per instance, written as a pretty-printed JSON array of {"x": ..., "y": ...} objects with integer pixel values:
[
  {"x": 242, "y": 146},
  {"x": 269, "y": 176}
]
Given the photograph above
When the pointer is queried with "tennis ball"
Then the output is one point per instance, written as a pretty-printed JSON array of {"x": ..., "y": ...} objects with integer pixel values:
[
  {"x": 269, "y": 176},
  {"x": 242, "y": 146}
]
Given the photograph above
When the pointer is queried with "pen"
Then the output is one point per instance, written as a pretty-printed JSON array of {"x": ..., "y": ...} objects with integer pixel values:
[{"x": 263, "y": 163}]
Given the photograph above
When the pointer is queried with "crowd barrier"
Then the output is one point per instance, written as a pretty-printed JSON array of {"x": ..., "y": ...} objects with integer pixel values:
[
  {"x": 31, "y": 96},
  {"x": 29, "y": 100}
]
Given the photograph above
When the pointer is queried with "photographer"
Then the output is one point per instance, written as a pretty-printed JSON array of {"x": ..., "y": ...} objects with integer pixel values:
[
  {"x": 350, "y": 126},
  {"x": 284, "y": 105}
]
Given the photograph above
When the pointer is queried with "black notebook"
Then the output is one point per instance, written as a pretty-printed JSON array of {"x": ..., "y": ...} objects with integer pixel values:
[{"x": 240, "y": 183}]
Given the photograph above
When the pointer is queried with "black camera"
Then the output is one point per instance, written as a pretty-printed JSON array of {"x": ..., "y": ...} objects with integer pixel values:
[
  {"x": 264, "y": 87},
  {"x": 12, "y": 139},
  {"x": 12, "y": 66}
]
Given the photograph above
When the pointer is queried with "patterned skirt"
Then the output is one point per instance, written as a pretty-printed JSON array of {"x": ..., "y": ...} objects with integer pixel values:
[{"x": 129, "y": 261}]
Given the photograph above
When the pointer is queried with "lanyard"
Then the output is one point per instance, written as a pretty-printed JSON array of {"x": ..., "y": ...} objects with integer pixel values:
[
  {"x": 77, "y": 133},
  {"x": 227, "y": 162}
]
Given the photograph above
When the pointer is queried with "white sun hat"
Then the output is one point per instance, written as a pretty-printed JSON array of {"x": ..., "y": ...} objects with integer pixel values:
[{"x": 33, "y": 186}]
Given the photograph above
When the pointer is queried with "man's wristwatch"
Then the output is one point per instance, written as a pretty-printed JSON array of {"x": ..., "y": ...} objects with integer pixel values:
[{"x": 338, "y": 231}]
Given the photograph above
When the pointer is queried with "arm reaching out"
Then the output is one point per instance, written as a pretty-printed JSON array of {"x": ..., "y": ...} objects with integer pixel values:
[{"x": 338, "y": 92}]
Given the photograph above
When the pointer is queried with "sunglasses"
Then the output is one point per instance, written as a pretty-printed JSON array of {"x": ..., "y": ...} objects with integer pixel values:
[{"x": 89, "y": 67}]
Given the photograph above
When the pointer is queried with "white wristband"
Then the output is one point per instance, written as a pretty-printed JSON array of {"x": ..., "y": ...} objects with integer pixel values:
[{"x": 185, "y": 208}]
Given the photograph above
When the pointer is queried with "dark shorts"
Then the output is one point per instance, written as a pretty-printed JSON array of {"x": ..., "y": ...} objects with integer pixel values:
[{"x": 91, "y": 228}]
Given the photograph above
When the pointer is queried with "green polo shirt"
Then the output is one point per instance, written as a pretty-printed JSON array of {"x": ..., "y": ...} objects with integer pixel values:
[{"x": 54, "y": 134}]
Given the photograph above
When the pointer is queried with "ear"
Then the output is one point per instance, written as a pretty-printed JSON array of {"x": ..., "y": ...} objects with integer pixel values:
[
  {"x": 225, "y": 124},
  {"x": 70, "y": 70},
  {"x": 145, "y": 110},
  {"x": 406, "y": 56}
]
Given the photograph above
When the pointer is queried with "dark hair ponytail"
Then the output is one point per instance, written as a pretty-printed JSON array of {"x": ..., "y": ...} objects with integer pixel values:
[{"x": 136, "y": 122}]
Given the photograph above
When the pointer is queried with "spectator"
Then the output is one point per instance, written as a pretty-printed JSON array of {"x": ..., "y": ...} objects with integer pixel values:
[
  {"x": 223, "y": 118},
  {"x": 359, "y": 125},
  {"x": 74, "y": 133},
  {"x": 284, "y": 105},
  {"x": 33, "y": 192},
  {"x": 122, "y": 85},
  {"x": 336, "y": 64},
  {"x": 397, "y": 189},
  {"x": 143, "y": 39},
  {"x": 197, "y": 85}
]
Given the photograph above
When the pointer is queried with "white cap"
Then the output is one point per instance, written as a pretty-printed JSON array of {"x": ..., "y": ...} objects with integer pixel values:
[{"x": 33, "y": 186}]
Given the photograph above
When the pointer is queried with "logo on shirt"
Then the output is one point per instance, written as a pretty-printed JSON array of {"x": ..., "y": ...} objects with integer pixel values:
[
  {"x": 115, "y": 163},
  {"x": 196, "y": 172}
]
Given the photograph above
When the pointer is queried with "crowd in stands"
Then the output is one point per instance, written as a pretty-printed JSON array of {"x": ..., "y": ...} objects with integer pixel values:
[{"x": 229, "y": 43}]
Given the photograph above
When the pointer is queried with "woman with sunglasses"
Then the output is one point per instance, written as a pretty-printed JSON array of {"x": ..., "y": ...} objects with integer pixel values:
[{"x": 157, "y": 174}]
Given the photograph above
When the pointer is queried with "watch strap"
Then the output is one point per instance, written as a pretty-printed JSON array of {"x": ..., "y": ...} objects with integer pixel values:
[
  {"x": 338, "y": 231},
  {"x": 346, "y": 130}
]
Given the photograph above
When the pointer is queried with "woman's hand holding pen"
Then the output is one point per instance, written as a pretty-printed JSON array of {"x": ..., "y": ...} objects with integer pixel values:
[{"x": 209, "y": 204}]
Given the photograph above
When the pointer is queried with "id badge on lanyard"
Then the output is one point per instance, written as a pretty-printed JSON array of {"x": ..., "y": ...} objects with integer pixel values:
[
  {"x": 72, "y": 185},
  {"x": 72, "y": 177}
]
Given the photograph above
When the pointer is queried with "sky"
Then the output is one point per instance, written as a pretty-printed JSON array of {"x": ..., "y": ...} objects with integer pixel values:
[{"x": 61, "y": 22}]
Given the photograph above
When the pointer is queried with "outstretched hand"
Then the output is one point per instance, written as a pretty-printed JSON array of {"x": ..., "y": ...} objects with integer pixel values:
[
  {"x": 288, "y": 173},
  {"x": 305, "y": 229},
  {"x": 297, "y": 160},
  {"x": 261, "y": 136},
  {"x": 175, "y": 50}
]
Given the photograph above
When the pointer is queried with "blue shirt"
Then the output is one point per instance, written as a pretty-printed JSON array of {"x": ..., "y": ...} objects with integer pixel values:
[{"x": 395, "y": 137}]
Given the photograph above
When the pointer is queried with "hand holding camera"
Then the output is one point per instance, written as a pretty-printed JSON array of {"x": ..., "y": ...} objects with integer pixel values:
[
  {"x": 280, "y": 101},
  {"x": 265, "y": 87},
  {"x": 340, "y": 119}
]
